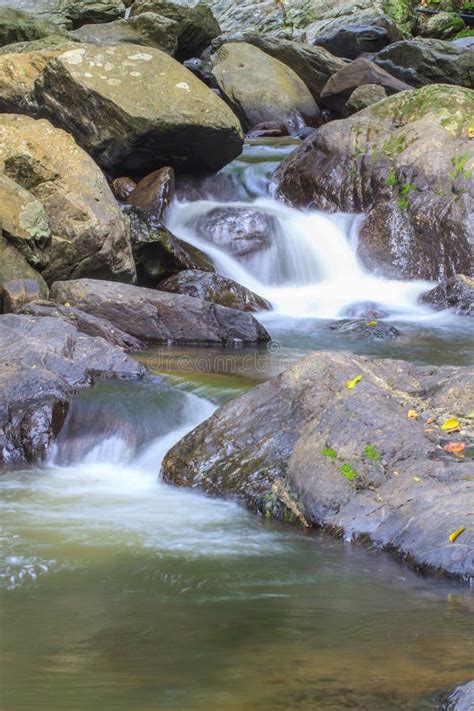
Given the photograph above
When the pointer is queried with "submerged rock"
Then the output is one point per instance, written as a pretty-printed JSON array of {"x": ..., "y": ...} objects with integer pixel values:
[
  {"x": 404, "y": 161},
  {"x": 57, "y": 207},
  {"x": 456, "y": 294},
  {"x": 144, "y": 112},
  {"x": 422, "y": 61},
  {"x": 307, "y": 448},
  {"x": 158, "y": 253},
  {"x": 260, "y": 88},
  {"x": 365, "y": 329},
  {"x": 42, "y": 363},
  {"x": 237, "y": 230},
  {"x": 215, "y": 288},
  {"x": 157, "y": 317}
]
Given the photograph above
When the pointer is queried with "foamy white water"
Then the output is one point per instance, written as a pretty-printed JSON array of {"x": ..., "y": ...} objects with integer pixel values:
[
  {"x": 111, "y": 497},
  {"x": 311, "y": 269}
]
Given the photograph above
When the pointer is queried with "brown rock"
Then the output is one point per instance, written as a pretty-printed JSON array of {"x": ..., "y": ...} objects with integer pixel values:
[
  {"x": 154, "y": 192},
  {"x": 215, "y": 288},
  {"x": 122, "y": 188},
  {"x": 340, "y": 86},
  {"x": 18, "y": 292}
]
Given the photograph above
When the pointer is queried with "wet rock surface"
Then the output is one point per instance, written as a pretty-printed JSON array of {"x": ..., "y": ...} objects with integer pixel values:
[
  {"x": 421, "y": 61},
  {"x": 456, "y": 293},
  {"x": 365, "y": 329},
  {"x": 214, "y": 288},
  {"x": 404, "y": 161},
  {"x": 84, "y": 322},
  {"x": 305, "y": 447},
  {"x": 157, "y": 252},
  {"x": 158, "y": 317},
  {"x": 43, "y": 362},
  {"x": 237, "y": 230}
]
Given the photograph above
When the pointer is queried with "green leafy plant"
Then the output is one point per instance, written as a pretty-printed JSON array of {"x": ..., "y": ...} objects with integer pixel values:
[
  {"x": 348, "y": 472},
  {"x": 328, "y": 452},
  {"x": 371, "y": 453}
]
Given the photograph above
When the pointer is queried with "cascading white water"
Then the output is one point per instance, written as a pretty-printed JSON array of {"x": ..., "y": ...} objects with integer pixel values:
[{"x": 311, "y": 269}]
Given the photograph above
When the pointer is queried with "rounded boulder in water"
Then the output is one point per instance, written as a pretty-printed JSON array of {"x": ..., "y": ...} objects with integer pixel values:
[{"x": 238, "y": 230}]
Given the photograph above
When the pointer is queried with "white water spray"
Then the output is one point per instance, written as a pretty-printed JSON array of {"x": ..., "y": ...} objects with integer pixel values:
[{"x": 311, "y": 269}]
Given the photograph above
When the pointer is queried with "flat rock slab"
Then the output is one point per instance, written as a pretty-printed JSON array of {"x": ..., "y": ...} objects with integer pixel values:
[
  {"x": 306, "y": 448},
  {"x": 43, "y": 361},
  {"x": 158, "y": 317}
]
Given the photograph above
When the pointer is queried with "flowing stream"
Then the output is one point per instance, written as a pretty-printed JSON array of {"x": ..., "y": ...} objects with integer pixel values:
[{"x": 120, "y": 593}]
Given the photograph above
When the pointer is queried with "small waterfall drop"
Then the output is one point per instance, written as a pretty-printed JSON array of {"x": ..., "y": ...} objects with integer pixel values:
[{"x": 311, "y": 268}]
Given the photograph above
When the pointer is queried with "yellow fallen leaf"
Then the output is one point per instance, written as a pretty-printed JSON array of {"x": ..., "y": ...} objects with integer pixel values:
[
  {"x": 412, "y": 414},
  {"x": 450, "y": 425},
  {"x": 416, "y": 478},
  {"x": 372, "y": 323},
  {"x": 456, "y": 534},
  {"x": 352, "y": 383},
  {"x": 67, "y": 304}
]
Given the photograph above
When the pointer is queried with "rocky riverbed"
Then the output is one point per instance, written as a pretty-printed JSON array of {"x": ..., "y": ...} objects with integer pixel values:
[{"x": 278, "y": 176}]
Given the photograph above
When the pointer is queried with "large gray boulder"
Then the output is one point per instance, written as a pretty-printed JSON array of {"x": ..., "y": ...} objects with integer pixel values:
[
  {"x": 56, "y": 207},
  {"x": 43, "y": 361},
  {"x": 329, "y": 444},
  {"x": 196, "y": 25},
  {"x": 313, "y": 65},
  {"x": 238, "y": 230},
  {"x": 404, "y": 161},
  {"x": 158, "y": 317},
  {"x": 260, "y": 88},
  {"x": 18, "y": 26},
  {"x": 134, "y": 109},
  {"x": 456, "y": 293},
  {"x": 306, "y": 18},
  {"x": 422, "y": 61},
  {"x": 148, "y": 30},
  {"x": 69, "y": 13}
]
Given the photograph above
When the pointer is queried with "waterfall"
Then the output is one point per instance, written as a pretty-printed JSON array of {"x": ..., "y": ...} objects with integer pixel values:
[{"x": 311, "y": 268}]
